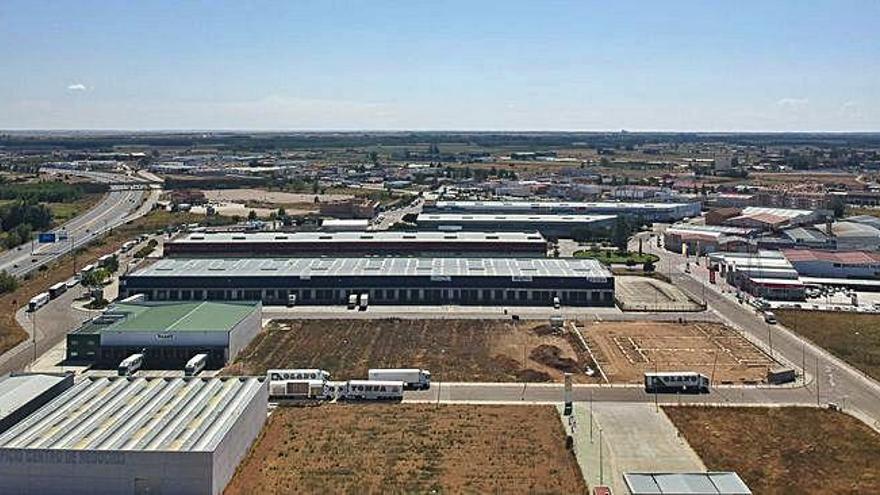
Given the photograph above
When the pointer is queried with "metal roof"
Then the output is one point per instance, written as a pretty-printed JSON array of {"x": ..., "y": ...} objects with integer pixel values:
[
  {"x": 711, "y": 483},
  {"x": 202, "y": 316},
  {"x": 378, "y": 237},
  {"x": 18, "y": 390},
  {"x": 380, "y": 266},
  {"x": 119, "y": 413},
  {"x": 610, "y": 206},
  {"x": 841, "y": 257},
  {"x": 521, "y": 218}
]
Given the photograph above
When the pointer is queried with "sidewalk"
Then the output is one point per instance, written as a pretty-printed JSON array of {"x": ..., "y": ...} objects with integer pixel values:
[{"x": 627, "y": 437}]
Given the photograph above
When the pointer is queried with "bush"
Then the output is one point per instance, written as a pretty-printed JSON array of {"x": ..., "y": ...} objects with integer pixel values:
[{"x": 8, "y": 283}]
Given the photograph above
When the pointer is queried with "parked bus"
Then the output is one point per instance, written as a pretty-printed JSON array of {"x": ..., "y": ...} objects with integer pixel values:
[
  {"x": 365, "y": 301},
  {"x": 195, "y": 365},
  {"x": 57, "y": 289},
  {"x": 38, "y": 301},
  {"x": 682, "y": 382},
  {"x": 131, "y": 364},
  {"x": 352, "y": 301}
]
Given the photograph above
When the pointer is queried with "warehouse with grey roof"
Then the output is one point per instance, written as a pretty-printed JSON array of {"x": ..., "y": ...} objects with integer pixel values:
[
  {"x": 135, "y": 435},
  {"x": 385, "y": 280}
]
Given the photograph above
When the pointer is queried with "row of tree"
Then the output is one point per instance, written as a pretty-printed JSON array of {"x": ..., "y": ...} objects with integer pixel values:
[{"x": 20, "y": 219}]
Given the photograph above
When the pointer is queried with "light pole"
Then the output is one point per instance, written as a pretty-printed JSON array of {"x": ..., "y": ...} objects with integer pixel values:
[{"x": 601, "y": 469}]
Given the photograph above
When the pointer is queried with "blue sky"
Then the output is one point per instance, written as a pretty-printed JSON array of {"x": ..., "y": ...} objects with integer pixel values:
[{"x": 469, "y": 65}]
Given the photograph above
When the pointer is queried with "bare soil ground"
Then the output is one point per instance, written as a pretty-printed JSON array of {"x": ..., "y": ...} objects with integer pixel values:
[
  {"x": 789, "y": 450},
  {"x": 454, "y": 350},
  {"x": 400, "y": 448},
  {"x": 626, "y": 350},
  {"x": 855, "y": 338}
]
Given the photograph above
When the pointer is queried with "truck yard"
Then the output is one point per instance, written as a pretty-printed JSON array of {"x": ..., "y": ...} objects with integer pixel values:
[
  {"x": 454, "y": 350},
  {"x": 410, "y": 449}
]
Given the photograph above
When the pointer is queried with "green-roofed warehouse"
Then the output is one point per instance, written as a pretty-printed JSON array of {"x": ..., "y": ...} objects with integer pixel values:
[{"x": 170, "y": 332}]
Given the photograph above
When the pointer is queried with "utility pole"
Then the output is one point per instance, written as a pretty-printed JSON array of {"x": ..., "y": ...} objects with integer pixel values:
[
  {"x": 714, "y": 365},
  {"x": 817, "y": 380},
  {"x": 601, "y": 470},
  {"x": 591, "y": 416}
]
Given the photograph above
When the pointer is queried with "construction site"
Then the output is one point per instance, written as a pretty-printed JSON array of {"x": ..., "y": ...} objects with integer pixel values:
[{"x": 624, "y": 351}]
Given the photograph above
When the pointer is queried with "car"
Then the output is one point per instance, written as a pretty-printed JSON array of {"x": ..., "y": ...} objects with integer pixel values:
[{"x": 769, "y": 317}]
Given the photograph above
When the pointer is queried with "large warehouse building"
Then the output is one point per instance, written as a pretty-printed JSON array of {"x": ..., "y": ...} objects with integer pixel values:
[
  {"x": 168, "y": 333},
  {"x": 484, "y": 281},
  {"x": 649, "y": 212},
  {"x": 392, "y": 243},
  {"x": 551, "y": 226},
  {"x": 135, "y": 435},
  {"x": 23, "y": 393}
]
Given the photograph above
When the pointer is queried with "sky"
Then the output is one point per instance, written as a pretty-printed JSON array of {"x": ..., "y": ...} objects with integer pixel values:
[{"x": 538, "y": 65}]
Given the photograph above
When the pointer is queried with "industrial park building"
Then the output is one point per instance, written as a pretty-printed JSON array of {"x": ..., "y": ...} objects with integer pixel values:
[
  {"x": 135, "y": 435},
  {"x": 392, "y": 243},
  {"x": 551, "y": 226},
  {"x": 648, "y": 212},
  {"x": 167, "y": 333},
  {"x": 23, "y": 393},
  {"x": 386, "y": 280}
]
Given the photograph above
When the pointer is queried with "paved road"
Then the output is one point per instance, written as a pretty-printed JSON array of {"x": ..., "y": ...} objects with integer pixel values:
[
  {"x": 837, "y": 381},
  {"x": 116, "y": 208}
]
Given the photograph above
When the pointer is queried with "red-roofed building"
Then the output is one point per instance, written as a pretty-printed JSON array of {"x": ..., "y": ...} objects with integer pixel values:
[{"x": 834, "y": 264}]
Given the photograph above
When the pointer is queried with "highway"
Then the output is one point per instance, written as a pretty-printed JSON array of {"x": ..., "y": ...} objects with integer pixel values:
[{"x": 115, "y": 209}]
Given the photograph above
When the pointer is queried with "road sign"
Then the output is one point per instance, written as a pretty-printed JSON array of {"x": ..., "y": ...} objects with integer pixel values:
[{"x": 46, "y": 237}]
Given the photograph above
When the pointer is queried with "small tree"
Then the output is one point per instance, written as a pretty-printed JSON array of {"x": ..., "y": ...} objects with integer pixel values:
[
  {"x": 252, "y": 215},
  {"x": 95, "y": 278},
  {"x": 620, "y": 234},
  {"x": 648, "y": 267},
  {"x": 8, "y": 283}
]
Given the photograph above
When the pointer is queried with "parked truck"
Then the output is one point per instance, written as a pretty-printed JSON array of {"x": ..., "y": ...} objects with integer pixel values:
[
  {"x": 352, "y": 301},
  {"x": 413, "y": 378},
  {"x": 364, "y": 302}
]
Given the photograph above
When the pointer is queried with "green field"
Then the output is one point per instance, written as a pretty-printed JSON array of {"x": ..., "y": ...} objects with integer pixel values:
[{"x": 855, "y": 338}]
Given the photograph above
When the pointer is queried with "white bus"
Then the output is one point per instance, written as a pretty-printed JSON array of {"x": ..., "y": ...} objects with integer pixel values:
[
  {"x": 365, "y": 301},
  {"x": 38, "y": 301},
  {"x": 297, "y": 374},
  {"x": 352, "y": 301},
  {"x": 411, "y": 377},
  {"x": 131, "y": 364},
  {"x": 374, "y": 390},
  {"x": 681, "y": 382},
  {"x": 195, "y": 365}
]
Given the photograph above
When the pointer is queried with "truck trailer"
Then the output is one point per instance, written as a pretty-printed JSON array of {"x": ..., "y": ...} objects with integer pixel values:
[{"x": 413, "y": 378}]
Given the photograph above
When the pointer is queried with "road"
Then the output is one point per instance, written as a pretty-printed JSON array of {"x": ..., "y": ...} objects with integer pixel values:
[
  {"x": 116, "y": 208},
  {"x": 837, "y": 381}
]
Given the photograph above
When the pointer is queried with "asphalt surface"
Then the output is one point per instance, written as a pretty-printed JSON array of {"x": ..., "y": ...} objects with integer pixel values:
[
  {"x": 837, "y": 381},
  {"x": 116, "y": 208}
]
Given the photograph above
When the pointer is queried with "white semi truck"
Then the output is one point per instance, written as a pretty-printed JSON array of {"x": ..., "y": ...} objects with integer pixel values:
[{"x": 411, "y": 377}]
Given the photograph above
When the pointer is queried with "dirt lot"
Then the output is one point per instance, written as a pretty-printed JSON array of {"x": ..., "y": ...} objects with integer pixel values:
[
  {"x": 371, "y": 448},
  {"x": 454, "y": 350},
  {"x": 626, "y": 350},
  {"x": 785, "y": 450},
  {"x": 855, "y": 338}
]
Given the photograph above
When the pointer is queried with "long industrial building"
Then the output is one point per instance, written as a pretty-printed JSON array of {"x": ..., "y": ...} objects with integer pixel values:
[
  {"x": 385, "y": 280},
  {"x": 390, "y": 243},
  {"x": 167, "y": 333},
  {"x": 649, "y": 212},
  {"x": 135, "y": 435},
  {"x": 550, "y": 226}
]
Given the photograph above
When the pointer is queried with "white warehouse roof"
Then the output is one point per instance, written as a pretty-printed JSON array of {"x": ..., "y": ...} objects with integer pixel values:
[
  {"x": 148, "y": 414},
  {"x": 376, "y": 266},
  {"x": 377, "y": 237},
  {"x": 512, "y": 218}
]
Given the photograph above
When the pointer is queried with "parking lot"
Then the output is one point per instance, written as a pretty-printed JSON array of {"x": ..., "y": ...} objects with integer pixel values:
[{"x": 634, "y": 293}]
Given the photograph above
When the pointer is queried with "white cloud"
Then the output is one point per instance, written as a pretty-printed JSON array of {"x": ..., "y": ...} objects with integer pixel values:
[
  {"x": 792, "y": 102},
  {"x": 77, "y": 87}
]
